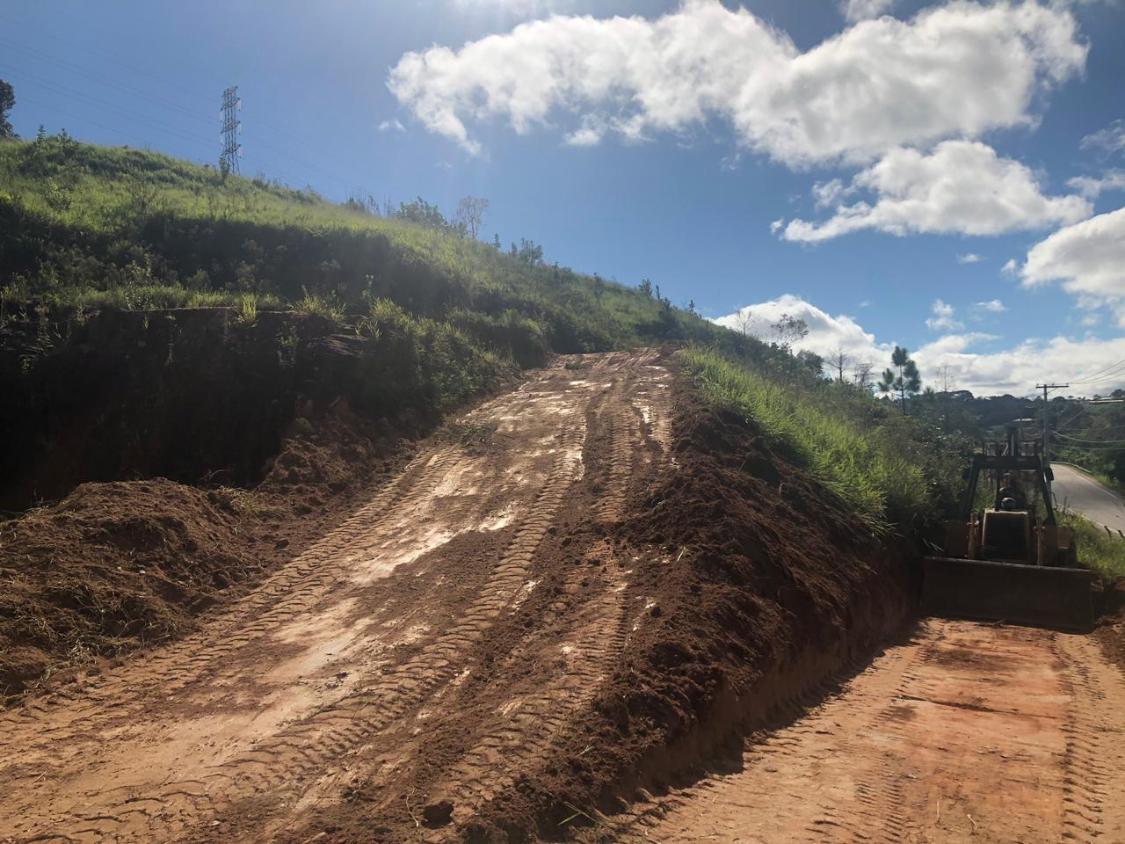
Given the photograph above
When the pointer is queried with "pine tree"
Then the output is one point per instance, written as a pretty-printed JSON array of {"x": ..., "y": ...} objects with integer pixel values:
[{"x": 907, "y": 382}]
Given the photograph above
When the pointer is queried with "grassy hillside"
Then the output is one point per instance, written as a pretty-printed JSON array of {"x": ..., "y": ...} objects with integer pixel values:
[
  {"x": 83, "y": 227},
  {"x": 86, "y": 226},
  {"x": 888, "y": 469}
]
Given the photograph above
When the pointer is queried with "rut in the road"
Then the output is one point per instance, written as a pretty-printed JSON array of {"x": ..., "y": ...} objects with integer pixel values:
[
  {"x": 324, "y": 678},
  {"x": 967, "y": 732}
]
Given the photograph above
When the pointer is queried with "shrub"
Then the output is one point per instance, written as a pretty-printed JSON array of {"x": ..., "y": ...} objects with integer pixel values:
[
  {"x": 318, "y": 304},
  {"x": 248, "y": 309}
]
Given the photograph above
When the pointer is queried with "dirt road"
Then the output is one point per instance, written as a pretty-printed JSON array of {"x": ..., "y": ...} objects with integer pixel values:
[
  {"x": 448, "y": 641},
  {"x": 1078, "y": 491},
  {"x": 967, "y": 732},
  {"x": 424, "y": 654}
]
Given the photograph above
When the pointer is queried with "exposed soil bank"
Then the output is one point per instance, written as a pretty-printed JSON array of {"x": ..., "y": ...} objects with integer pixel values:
[
  {"x": 579, "y": 591},
  {"x": 197, "y": 394},
  {"x": 116, "y": 413},
  {"x": 760, "y": 588},
  {"x": 1110, "y": 631},
  {"x": 961, "y": 732},
  {"x": 118, "y": 565}
]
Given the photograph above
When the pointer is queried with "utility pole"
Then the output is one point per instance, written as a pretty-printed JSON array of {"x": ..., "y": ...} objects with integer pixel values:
[
  {"x": 1046, "y": 430},
  {"x": 232, "y": 150}
]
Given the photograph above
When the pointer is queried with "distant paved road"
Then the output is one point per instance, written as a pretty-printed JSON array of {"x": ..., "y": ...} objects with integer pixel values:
[{"x": 1082, "y": 493}]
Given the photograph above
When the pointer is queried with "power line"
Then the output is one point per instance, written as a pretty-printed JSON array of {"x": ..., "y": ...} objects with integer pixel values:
[
  {"x": 86, "y": 73},
  {"x": 106, "y": 56},
  {"x": 104, "y": 105},
  {"x": 1089, "y": 442},
  {"x": 1107, "y": 371}
]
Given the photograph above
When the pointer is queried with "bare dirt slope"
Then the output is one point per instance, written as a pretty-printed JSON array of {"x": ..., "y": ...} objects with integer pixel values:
[
  {"x": 575, "y": 594},
  {"x": 436, "y": 642},
  {"x": 966, "y": 732}
]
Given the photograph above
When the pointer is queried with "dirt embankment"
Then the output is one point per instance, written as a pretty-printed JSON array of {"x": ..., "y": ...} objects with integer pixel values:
[
  {"x": 571, "y": 597},
  {"x": 189, "y": 452},
  {"x": 119, "y": 565},
  {"x": 758, "y": 589},
  {"x": 200, "y": 396},
  {"x": 1110, "y": 631}
]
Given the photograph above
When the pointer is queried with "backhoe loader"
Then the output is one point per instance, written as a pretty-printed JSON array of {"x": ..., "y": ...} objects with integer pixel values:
[{"x": 1004, "y": 562}]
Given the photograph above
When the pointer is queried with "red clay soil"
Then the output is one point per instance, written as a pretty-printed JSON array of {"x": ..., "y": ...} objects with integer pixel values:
[
  {"x": 759, "y": 589},
  {"x": 121, "y": 565},
  {"x": 576, "y": 593},
  {"x": 748, "y": 586},
  {"x": 1110, "y": 631}
]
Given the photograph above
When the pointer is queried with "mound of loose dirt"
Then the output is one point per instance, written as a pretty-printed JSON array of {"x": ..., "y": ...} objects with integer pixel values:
[
  {"x": 759, "y": 586},
  {"x": 115, "y": 566},
  {"x": 1110, "y": 631}
]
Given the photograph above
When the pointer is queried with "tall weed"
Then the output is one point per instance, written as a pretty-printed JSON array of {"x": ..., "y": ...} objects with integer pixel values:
[{"x": 859, "y": 464}]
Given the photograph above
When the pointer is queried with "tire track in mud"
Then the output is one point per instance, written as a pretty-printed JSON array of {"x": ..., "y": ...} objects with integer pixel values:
[
  {"x": 880, "y": 810},
  {"x": 520, "y": 735},
  {"x": 711, "y": 805},
  {"x": 292, "y": 589},
  {"x": 1094, "y": 758},
  {"x": 306, "y": 747},
  {"x": 525, "y": 728},
  {"x": 989, "y": 733},
  {"x": 281, "y": 767}
]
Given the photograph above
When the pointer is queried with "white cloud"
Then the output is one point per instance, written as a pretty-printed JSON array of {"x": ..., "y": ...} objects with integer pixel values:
[
  {"x": 826, "y": 333},
  {"x": 1110, "y": 139},
  {"x": 1015, "y": 369},
  {"x": 992, "y": 306},
  {"x": 858, "y": 10},
  {"x": 960, "y": 187},
  {"x": 1018, "y": 369},
  {"x": 1088, "y": 258},
  {"x": 827, "y": 193},
  {"x": 1011, "y": 267},
  {"x": 969, "y": 258},
  {"x": 943, "y": 317},
  {"x": 1093, "y": 187},
  {"x": 394, "y": 125},
  {"x": 587, "y": 135},
  {"x": 956, "y": 70}
]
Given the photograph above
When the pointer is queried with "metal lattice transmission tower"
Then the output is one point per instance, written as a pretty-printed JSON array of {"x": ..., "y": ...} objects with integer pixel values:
[{"x": 232, "y": 149}]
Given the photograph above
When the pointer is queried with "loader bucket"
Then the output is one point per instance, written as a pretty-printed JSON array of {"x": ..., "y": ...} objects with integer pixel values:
[{"x": 1016, "y": 593}]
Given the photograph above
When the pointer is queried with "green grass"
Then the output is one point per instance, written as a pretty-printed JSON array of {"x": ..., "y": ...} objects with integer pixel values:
[
  {"x": 1097, "y": 549},
  {"x": 865, "y": 456},
  {"x": 320, "y": 304},
  {"x": 141, "y": 297},
  {"x": 80, "y": 223}
]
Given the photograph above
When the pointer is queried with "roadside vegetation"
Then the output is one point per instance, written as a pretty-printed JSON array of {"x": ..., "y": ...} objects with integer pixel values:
[
  {"x": 1092, "y": 435},
  {"x": 890, "y": 470},
  {"x": 1097, "y": 549}
]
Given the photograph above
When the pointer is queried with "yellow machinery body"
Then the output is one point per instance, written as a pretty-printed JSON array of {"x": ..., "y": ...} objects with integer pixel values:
[{"x": 1005, "y": 564}]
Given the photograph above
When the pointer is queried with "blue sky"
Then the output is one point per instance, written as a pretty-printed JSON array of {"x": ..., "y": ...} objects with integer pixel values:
[{"x": 872, "y": 166}]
